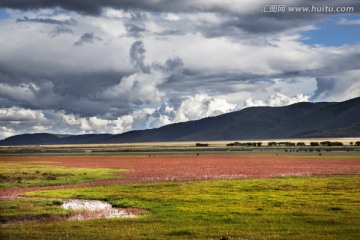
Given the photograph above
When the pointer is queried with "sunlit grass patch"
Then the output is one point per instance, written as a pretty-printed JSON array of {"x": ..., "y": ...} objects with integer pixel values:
[{"x": 33, "y": 174}]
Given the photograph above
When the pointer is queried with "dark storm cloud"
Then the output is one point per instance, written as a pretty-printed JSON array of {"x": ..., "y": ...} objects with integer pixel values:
[
  {"x": 191, "y": 82},
  {"x": 137, "y": 55},
  {"x": 87, "y": 38},
  {"x": 69, "y": 92},
  {"x": 10, "y": 73},
  {"x": 68, "y": 22},
  {"x": 85, "y": 84},
  {"x": 92, "y": 7},
  {"x": 234, "y": 21},
  {"x": 95, "y": 7}
]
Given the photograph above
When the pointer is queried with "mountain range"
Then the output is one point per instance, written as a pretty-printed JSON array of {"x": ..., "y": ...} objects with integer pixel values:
[{"x": 300, "y": 120}]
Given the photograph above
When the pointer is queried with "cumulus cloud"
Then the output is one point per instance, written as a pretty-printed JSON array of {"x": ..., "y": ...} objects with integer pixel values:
[
  {"x": 276, "y": 100},
  {"x": 19, "y": 114},
  {"x": 143, "y": 85},
  {"x": 201, "y": 106},
  {"x": 19, "y": 120},
  {"x": 190, "y": 108},
  {"x": 6, "y": 132}
]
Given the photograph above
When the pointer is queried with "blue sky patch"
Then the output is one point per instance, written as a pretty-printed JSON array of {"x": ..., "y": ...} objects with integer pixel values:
[
  {"x": 3, "y": 14},
  {"x": 332, "y": 33}
]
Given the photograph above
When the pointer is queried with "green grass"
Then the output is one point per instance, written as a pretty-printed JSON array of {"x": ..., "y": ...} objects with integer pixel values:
[
  {"x": 279, "y": 208},
  {"x": 33, "y": 174},
  {"x": 31, "y": 209}
]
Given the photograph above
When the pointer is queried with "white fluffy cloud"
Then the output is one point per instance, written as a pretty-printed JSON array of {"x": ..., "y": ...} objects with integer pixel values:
[
  {"x": 190, "y": 108},
  {"x": 201, "y": 106},
  {"x": 7, "y": 132},
  {"x": 16, "y": 114},
  {"x": 276, "y": 100},
  {"x": 15, "y": 120}
]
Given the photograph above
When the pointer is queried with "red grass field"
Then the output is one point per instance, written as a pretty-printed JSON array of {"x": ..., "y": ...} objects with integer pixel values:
[{"x": 145, "y": 169}]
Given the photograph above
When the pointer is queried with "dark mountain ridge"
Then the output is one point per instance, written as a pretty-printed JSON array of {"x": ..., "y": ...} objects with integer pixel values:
[
  {"x": 49, "y": 139},
  {"x": 300, "y": 120}
]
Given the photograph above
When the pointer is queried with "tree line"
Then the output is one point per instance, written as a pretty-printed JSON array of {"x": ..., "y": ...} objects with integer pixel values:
[{"x": 291, "y": 144}]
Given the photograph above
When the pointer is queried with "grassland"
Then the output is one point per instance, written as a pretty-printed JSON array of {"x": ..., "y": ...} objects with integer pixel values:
[
  {"x": 281, "y": 208},
  {"x": 26, "y": 209},
  {"x": 271, "y": 208},
  {"x": 36, "y": 174}
]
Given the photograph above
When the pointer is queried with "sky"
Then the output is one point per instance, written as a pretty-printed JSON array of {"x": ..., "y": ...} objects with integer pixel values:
[{"x": 111, "y": 66}]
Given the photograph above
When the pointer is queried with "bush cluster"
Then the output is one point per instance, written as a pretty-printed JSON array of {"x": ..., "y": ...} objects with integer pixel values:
[
  {"x": 247, "y": 144},
  {"x": 329, "y": 144},
  {"x": 202, "y": 144},
  {"x": 286, "y": 144},
  {"x": 326, "y": 144}
]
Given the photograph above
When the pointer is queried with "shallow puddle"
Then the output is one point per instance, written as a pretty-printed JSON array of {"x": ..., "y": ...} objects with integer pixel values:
[
  {"x": 92, "y": 209},
  {"x": 86, "y": 209}
]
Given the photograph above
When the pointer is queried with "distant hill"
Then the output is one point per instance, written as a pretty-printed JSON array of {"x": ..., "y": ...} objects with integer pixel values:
[
  {"x": 300, "y": 120},
  {"x": 48, "y": 139}
]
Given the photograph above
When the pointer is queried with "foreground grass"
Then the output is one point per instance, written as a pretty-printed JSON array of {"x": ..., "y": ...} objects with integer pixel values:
[
  {"x": 31, "y": 209},
  {"x": 34, "y": 174},
  {"x": 280, "y": 208}
]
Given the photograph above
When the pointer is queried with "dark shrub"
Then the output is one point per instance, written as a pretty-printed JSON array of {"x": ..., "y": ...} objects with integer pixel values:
[{"x": 202, "y": 144}]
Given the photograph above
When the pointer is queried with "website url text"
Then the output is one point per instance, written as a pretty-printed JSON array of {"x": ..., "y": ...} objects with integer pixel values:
[{"x": 273, "y": 8}]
